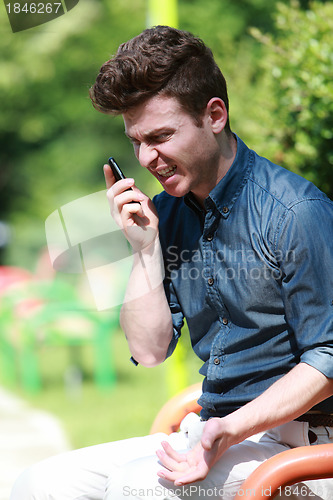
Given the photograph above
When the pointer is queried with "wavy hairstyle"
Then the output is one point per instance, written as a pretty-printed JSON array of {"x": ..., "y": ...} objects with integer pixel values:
[{"x": 160, "y": 61}]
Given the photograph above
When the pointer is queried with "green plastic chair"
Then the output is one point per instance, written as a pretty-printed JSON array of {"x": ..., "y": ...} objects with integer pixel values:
[{"x": 42, "y": 313}]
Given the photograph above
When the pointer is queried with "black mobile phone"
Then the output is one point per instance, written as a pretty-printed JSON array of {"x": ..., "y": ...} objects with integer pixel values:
[
  {"x": 116, "y": 169},
  {"x": 117, "y": 172}
]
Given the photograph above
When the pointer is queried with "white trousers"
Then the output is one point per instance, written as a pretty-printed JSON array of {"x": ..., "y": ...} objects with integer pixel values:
[{"x": 127, "y": 469}]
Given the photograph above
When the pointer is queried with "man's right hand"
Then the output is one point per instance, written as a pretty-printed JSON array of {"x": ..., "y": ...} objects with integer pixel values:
[{"x": 132, "y": 210}]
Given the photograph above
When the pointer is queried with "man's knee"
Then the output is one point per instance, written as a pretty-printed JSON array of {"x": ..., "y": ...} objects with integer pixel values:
[
  {"x": 45, "y": 480},
  {"x": 31, "y": 485},
  {"x": 135, "y": 480}
]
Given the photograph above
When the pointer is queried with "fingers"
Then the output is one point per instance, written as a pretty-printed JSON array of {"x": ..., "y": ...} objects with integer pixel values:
[
  {"x": 192, "y": 476},
  {"x": 194, "y": 465},
  {"x": 189, "y": 475},
  {"x": 173, "y": 454},
  {"x": 124, "y": 186},
  {"x": 108, "y": 175},
  {"x": 127, "y": 205},
  {"x": 180, "y": 468},
  {"x": 110, "y": 181},
  {"x": 170, "y": 458},
  {"x": 132, "y": 210}
]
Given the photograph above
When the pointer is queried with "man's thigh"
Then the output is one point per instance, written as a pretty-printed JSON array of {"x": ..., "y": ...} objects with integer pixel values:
[
  {"x": 81, "y": 474},
  {"x": 138, "y": 479}
]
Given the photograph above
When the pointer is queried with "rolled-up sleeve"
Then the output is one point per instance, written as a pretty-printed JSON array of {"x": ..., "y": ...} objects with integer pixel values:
[
  {"x": 177, "y": 315},
  {"x": 304, "y": 243}
]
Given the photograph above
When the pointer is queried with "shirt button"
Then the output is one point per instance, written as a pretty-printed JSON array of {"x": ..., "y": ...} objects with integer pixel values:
[
  {"x": 216, "y": 361},
  {"x": 225, "y": 210},
  {"x": 225, "y": 321},
  {"x": 210, "y": 237},
  {"x": 210, "y": 281}
]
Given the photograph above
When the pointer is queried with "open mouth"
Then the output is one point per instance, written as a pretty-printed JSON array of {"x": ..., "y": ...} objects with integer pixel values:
[{"x": 167, "y": 172}]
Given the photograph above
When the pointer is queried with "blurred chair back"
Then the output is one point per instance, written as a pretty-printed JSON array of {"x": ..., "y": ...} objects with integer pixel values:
[
  {"x": 48, "y": 313},
  {"x": 172, "y": 413}
]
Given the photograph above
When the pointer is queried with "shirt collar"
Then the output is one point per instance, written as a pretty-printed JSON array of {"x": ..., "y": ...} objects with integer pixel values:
[{"x": 225, "y": 193}]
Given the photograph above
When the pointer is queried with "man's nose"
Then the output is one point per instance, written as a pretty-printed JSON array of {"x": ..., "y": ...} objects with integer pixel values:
[{"x": 147, "y": 154}]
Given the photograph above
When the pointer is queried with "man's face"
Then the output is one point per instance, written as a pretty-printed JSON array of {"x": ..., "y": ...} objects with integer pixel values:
[{"x": 168, "y": 142}]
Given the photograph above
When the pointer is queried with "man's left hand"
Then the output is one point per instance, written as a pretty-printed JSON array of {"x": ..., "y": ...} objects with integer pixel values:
[{"x": 194, "y": 465}]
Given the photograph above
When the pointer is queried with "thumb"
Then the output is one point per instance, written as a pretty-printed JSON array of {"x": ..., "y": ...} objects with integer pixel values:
[{"x": 210, "y": 433}]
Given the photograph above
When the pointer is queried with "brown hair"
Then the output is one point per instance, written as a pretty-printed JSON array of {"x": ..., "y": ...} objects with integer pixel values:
[{"x": 165, "y": 61}]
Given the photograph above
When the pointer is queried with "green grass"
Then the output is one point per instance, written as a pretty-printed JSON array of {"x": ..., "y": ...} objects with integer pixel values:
[{"x": 90, "y": 415}]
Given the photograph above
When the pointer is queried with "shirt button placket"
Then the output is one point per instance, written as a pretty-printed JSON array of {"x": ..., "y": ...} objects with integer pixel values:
[{"x": 208, "y": 255}]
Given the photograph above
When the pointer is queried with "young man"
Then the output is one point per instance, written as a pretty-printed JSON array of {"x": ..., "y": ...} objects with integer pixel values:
[{"x": 236, "y": 245}]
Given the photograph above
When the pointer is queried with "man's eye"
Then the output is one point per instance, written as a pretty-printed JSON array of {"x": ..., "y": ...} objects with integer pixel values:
[{"x": 162, "y": 137}]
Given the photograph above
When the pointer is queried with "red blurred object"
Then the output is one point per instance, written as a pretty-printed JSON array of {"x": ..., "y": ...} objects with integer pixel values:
[{"x": 10, "y": 275}]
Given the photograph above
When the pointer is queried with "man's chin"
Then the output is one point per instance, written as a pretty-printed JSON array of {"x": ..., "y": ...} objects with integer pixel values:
[
  {"x": 175, "y": 189},
  {"x": 177, "y": 193}
]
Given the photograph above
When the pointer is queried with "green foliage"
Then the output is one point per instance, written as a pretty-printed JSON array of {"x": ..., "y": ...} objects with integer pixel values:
[
  {"x": 224, "y": 26},
  {"x": 298, "y": 68},
  {"x": 53, "y": 143}
]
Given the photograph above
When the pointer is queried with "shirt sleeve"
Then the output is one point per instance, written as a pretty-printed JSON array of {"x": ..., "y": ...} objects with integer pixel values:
[
  {"x": 304, "y": 243},
  {"x": 161, "y": 203},
  {"x": 177, "y": 315}
]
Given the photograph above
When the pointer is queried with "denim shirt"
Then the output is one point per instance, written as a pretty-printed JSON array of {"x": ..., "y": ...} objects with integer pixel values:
[{"x": 252, "y": 274}]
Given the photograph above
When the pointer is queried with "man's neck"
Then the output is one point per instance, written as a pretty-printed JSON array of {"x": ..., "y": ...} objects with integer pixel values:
[{"x": 227, "y": 153}]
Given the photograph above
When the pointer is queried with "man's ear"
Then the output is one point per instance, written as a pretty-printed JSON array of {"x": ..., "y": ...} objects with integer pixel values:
[{"x": 217, "y": 114}]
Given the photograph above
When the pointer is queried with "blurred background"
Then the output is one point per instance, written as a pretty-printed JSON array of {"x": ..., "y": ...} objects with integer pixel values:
[{"x": 56, "y": 352}]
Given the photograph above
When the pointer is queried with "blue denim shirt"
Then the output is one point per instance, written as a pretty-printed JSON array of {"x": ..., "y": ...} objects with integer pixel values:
[{"x": 253, "y": 276}]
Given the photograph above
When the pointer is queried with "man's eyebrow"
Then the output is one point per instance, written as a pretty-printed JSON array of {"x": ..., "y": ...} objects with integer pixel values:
[{"x": 152, "y": 133}]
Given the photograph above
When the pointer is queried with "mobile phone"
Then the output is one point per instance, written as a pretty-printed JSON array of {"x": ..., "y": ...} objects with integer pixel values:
[{"x": 116, "y": 170}]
